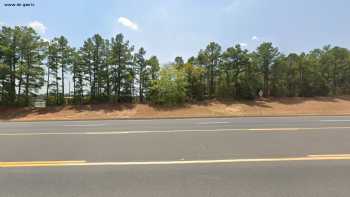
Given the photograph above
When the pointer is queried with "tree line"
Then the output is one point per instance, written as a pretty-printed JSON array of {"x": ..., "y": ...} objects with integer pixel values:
[{"x": 113, "y": 71}]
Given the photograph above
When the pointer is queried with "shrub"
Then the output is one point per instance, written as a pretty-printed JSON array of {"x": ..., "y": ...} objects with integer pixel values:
[{"x": 170, "y": 89}]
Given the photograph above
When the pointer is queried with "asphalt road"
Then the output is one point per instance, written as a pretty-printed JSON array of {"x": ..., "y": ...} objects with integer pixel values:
[{"x": 290, "y": 156}]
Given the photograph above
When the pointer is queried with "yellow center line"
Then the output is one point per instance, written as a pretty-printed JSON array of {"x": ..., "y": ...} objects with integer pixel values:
[
  {"x": 177, "y": 162},
  {"x": 177, "y": 131},
  {"x": 37, "y": 163},
  {"x": 31, "y": 162}
]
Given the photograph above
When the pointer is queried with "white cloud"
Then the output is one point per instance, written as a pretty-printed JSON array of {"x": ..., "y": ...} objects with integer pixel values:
[
  {"x": 243, "y": 44},
  {"x": 255, "y": 38},
  {"x": 38, "y": 26},
  {"x": 128, "y": 23}
]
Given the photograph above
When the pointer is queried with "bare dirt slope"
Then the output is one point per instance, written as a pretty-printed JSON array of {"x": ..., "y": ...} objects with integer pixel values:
[{"x": 266, "y": 107}]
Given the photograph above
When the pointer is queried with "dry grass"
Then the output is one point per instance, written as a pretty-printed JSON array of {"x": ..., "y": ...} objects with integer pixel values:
[{"x": 267, "y": 107}]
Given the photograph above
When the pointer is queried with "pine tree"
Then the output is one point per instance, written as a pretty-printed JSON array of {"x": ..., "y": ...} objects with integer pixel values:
[{"x": 121, "y": 64}]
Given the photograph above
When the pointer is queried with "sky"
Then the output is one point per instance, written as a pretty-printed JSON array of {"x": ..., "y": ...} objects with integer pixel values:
[{"x": 182, "y": 27}]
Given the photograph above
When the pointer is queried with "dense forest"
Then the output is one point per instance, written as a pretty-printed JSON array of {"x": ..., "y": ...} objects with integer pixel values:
[{"x": 113, "y": 71}]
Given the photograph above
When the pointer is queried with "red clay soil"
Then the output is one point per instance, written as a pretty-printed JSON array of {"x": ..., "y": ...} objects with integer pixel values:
[{"x": 266, "y": 107}]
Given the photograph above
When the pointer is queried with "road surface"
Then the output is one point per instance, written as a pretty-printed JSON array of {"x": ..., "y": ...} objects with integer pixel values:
[{"x": 262, "y": 157}]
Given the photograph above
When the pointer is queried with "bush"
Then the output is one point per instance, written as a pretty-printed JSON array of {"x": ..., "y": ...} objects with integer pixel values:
[{"x": 170, "y": 89}]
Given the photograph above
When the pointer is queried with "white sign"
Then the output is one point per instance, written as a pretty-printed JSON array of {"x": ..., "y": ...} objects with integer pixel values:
[
  {"x": 261, "y": 93},
  {"x": 40, "y": 104}
]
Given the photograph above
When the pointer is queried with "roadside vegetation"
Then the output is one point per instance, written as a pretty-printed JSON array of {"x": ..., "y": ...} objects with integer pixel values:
[{"x": 113, "y": 71}]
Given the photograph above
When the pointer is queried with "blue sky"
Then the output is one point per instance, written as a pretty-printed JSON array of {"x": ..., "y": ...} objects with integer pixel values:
[{"x": 182, "y": 27}]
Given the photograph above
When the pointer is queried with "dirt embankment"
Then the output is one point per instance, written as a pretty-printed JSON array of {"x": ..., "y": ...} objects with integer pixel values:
[{"x": 266, "y": 107}]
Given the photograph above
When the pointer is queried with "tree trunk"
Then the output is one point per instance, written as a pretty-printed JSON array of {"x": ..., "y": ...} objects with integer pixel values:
[
  {"x": 57, "y": 93},
  {"x": 211, "y": 94},
  {"x": 19, "y": 85},
  {"x": 48, "y": 84},
  {"x": 108, "y": 83},
  {"x": 29, "y": 65},
  {"x": 2, "y": 98},
  {"x": 266, "y": 81},
  {"x": 114, "y": 87},
  {"x": 118, "y": 85},
  {"x": 335, "y": 80},
  {"x": 81, "y": 89},
  {"x": 90, "y": 82},
  {"x": 27, "y": 89},
  {"x": 74, "y": 94},
  {"x": 62, "y": 70},
  {"x": 141, "y": 85},
  {"x": 12, "y": 92}
]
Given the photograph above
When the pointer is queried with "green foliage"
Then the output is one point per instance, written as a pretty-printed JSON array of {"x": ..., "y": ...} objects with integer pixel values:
[
  {"x": 170, "y": 89},
  {"x": 4, "y": 72},
  {"x": 78, "y": 70},
  {"x": 122, "y": 67},
  {"x": 153, "y": 62},
  {"x": 210, "y": 58},
  {"x": 195, "y": 86},
  {"x": 142, "y": 72},
  {"x": 265, "y": 57},
  {"x": 59, "y": 58},
  {"x": 235, "y": 62},
  {"x": 104, "y": 70},
  {"x": 21, "y": 55},
  {"x": 179, "y": 62}
]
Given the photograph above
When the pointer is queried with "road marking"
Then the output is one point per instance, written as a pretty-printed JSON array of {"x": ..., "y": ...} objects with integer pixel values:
[
  {"x": 208, "y": 123},
  {"x": 333, "y": 155},
  {"x": 181, "y": 162},
  {"x": 38, "y": 163},
  {"x": 85, "y": 125},
  {"x": 177, "y": 131},
  {"x": 334, "y": 120}
]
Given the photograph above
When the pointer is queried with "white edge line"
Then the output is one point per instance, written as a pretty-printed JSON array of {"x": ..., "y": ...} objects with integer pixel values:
[
  {"x": 175, "y": 131},
  {"x": 88, "y": 125},
  {"x": 208, "y": 123},
  {"x": 189, "y": 162},
  {"x": 334, "y": 120}
]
